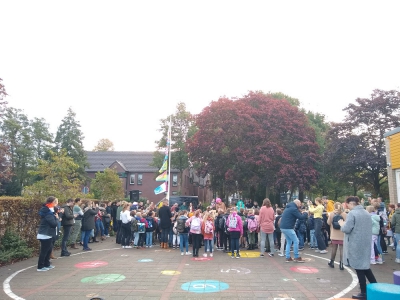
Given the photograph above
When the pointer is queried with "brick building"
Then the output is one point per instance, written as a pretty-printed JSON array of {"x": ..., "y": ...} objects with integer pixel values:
[
  {"x": 137, "y": 174},
  {"x": 392, "y": 142}
]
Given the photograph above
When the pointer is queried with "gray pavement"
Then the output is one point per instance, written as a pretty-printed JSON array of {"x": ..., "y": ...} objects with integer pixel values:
[{"x": 112, "y": 273}]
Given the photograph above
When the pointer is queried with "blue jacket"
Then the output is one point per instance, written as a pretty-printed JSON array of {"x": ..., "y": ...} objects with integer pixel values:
[{"x": 290, "y": 215}]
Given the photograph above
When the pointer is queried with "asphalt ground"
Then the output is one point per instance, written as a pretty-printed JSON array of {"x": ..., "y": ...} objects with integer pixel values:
[{"x": 112, "y": 273}]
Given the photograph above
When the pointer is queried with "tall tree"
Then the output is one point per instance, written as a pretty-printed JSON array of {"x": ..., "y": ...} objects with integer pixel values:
[
  {"x": 107, "y": 185},
  {"x": 181, "y": 128},
  {"x": 3, "y": 95},
  {"x": 104, "y": 145},
  {"x": 58, "y": 177},
  {"x": 255, "y": 140},
  {"x": 42, "y": 139},
  {"x": 5, "y": 168},
  {"x": 357, "y": 145},
  {"x": 69, "y": 137}
]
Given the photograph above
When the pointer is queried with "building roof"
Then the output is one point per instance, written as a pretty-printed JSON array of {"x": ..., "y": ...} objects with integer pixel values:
[
  {"x": 131, "y": 161},
  {"x": 391, "y": 132}
]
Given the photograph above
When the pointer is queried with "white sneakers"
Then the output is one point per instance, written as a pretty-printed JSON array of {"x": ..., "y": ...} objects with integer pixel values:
[
  {"x": 323, "y": 251},
  {"x": 182, "y": 253},
  {"x": 205, "y": 255},
  {"x": 211, "y": 255},
  {"x": 188, "y": 253},
  {"x": 397, "y": 260}
]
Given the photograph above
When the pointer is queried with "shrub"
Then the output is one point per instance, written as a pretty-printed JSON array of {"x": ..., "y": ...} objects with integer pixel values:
[{"x": 12, "y": 247}]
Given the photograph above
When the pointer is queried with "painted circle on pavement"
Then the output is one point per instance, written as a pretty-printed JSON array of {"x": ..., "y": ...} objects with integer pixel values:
[
  {"x": 304, "y": 270},
  {"x": 145, "y": 260},
  {"x": 204, "y": 286},
  {"x": 247, "y": 254},
  {"x": 103, "y": 278},
  {"x": 170, "y": 272},
  {"x": 91, "y": 264},
  {"x": 201, "y": 258}
]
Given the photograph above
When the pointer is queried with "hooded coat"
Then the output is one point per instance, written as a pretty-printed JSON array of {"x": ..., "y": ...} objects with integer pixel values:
[
  {"x": 357, "y": 238},
  {"x": 395, "y": 222},
  {"x": 48, "y": 222}
]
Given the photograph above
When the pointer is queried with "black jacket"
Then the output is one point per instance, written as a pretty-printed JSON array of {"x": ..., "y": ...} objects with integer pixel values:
[
  {"x": 165, "y": 215},
  {"x": 68, "y": 216},
  {"x": 88, "y": 219},
  {"x": 48, "y": 222}
]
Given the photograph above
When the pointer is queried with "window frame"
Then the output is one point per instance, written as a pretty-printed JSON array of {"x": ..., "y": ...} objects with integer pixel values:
[{"x": 130, "y": 179}]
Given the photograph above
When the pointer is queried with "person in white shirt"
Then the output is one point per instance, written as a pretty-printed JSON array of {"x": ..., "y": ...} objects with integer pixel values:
[{"x": 126, "y": 226}]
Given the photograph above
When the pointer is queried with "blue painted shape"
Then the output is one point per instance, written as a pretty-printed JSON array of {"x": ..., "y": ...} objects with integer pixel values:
[
  {"x": 204, "y": 286},
  {"x": 145, "y": 260},
  {"x": 385, "y": 291}
]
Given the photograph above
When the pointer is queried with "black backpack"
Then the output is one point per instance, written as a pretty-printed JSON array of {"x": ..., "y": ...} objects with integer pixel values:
[
  {"x": 150, "y": 223},
  {"x": 220, "y": 223},
  {"x": 181, "y": 225},
  {"x": 335, "y": 222}
]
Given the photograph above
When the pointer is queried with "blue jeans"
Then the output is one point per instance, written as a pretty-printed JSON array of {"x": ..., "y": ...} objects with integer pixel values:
[
  {"x": 396, "y": 243},
  {"x": 164, "y": 235},
  {"x": 301, "y": 239},
  {"x": 291, "y": 237},
  {"x": 184, "y": 241},
  {"x": 136, "y": 238},
  {"x": 313, "y": 240},
  {"x": 208, "y": 245},
  {"x": 99, "y": 227},
  {"x": 149, "y": 238},
  {"x": 86, "y": 236},
  {"x": 171, "y": 235}
]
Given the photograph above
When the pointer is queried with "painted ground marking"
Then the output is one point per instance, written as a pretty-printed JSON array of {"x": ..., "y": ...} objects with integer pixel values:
[
  {"x": 103, "y": 278},
  {"x": 239, "y": 271},
  {"x": 304, "y": 270},
  {"x": 201, "y": 258},
  {"x": 145, "y": 260},
  {"x": 170, "y": 272},
  {"x": 204, "y": 286},
  {"x": 91, "y": 264},
  {"x": 246, "y": 254}
]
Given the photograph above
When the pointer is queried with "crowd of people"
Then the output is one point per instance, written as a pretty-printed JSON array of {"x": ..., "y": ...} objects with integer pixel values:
[{"x": 357, "y": 228}]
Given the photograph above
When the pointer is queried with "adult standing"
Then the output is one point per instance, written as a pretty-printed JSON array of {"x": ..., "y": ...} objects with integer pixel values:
[
  {"x": 47, "y": 231},
  {"x": 357, "y": 243},
  {"x": 165, "y": 216},
  {"x": 78, "y": 214},
  {"x": 395, "y": 225},
  {"x": 240, "y": 205},
  {"x": 219, "y": 204},
  {"x": 67, "y": 223},
  {"x": 126, "y": 226},
  {"x": 317, "y": 211},
  {"x": 289, "y": 217},
  {"x": 337, "y": 235},
  {"x": 88, "y": 223},
  {"x": 195, "y": 223},
  {"x": 266, "y": 221},
  {"x": 114, "y": 208}
]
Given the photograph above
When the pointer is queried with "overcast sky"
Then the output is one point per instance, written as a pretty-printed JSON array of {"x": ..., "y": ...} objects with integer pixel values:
[{"x": 124, "y": 65}]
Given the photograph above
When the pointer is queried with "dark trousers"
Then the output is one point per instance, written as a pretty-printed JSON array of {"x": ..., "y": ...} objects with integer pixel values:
[
  {"x": 196, "y": 243},
  {"x": 318, "y": 233},
  {"x": 164, "y": 235},
  {"x": 119, "y": 232},
  {"x": 278, "y": 238},
  {"x": 234, "y": 235},
  {"x": 46, "y": 246},
  {"x": 67, "y": 230},
  {"x": 220, "y": 243},
  {"x": 362, "y": 276},
  {"x": 142, "y": 239},
  {"x": 126, "y": 234}
]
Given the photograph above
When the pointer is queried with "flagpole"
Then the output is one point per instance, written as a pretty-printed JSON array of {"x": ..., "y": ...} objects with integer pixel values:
[{"x": 169, "y": 158}]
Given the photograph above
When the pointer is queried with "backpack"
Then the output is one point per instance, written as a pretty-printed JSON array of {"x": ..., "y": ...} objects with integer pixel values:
[
  {"x": 150, "y": 222},
  {"x": 180, "y": 225},
  {"x": 195, "y": 224},
  {"x": 208, "y": 227},
  {"x": 232, "y": 222},
  {"x": 244, "y": 222},
  {"x": 302, "y": 227},
  {"x": 141, "y": 227},
  {"x": 220, "y": 223},
  {"x": 335, "y": 221},
  {"x": 134, "y": 225},
  {"x": 277, "y": 223},
  {"x": 252, "y": 224}
]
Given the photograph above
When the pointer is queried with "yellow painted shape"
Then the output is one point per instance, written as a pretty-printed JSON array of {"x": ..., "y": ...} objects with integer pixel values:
[
  {"x": 247, "y": 254},
  {"x": 169, "y": 272}
]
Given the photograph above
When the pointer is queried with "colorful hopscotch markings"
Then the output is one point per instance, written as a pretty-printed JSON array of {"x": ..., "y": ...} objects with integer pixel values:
[
  {"x": 287, "y": 279},
  {"x": 201, "y": 258},
  {"x": 204, "y": 286},
  {"x": 103, "y": 278},
  {"x": 304, "y": 270},
  {"x": 239, "y": 271},
  {"x": 246, "y": 254},
  {"x": 170, "y": 272},
  {"x": 91, "y": 264},
  {"x": 145, "y": 260}
]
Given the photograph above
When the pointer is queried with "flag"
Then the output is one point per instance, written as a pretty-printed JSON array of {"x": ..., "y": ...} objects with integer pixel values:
[
  {"x": 164, "y": 166},
  {"x": 160, "y": 189},
  {"x": 162, "y": 177}
]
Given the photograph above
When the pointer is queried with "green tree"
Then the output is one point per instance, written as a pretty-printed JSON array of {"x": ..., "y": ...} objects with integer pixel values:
[
  {"x": 107, "y": 185},
  {"x": 42, "y": 139},
  {"x": 3, "y": 95},
  {"x": 59, "y": 176},
  {"x": 5, "y": 168},
  {"x": 182, "y": 127},
  {"x": 69, "y": 137},
  {"x": 104, "y": 145},
  {"x": 282, "y": 96}
]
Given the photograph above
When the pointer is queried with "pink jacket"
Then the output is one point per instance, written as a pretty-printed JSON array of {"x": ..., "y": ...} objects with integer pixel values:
[
  {"x": 267, "y": 219},
  {"x": 239, "y": 225},
  {"x": 189, "y": 222}
]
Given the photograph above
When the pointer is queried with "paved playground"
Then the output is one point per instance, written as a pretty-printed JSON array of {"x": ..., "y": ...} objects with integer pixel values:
[{"x": 111, "y": 273}]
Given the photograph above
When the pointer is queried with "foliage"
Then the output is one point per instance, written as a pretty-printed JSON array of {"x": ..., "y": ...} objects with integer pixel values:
[
  {"x": 255, "y": 140},
  {"x": 13, "y": 247},
  {"x": 59, "y": 177},
  {"x": 104, "y": 145},
  {"x": 70, "y": 137},
  {"x": 282, "y": 96},
  {"x": 3, "y": 95},
  {"x": 181, "y": 129},
  {"x": 107, "y": 185},
  {"x": 357, "y": 146}
]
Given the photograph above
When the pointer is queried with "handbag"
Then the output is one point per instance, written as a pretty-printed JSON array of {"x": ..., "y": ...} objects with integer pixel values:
[{"x": 389, "y": 232}]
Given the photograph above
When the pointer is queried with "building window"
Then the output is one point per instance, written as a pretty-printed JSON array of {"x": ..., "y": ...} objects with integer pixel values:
[
  {"x": 175, "y": 180},
  {"x": 139, "y": 179},
  {"x": 132, "y": 179}
]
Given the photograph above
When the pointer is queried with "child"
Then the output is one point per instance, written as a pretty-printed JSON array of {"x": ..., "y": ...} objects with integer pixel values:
[
  {"x": 252, "y": 227},
  {"x": 281, "y": 237},
  {"x": 235, "y": 227},
  {"x": 375, "y": 232},
  {"x": 208, "y": 229},
  {"x": 149, "y": 230},
  {"x": 242, "y": 215},
  {"x": 195, "y": 223},
  {"x": 183, "y": 232},
  {"x": 175, "y": 235},
  {"x": 313, "y": 240}
]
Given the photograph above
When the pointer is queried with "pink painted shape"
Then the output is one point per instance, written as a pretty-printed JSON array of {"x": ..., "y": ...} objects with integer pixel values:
[{"x": 91, "y": 264}]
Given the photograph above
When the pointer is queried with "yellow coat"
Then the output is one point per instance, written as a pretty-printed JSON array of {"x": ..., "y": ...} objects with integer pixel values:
[{"x": 330, "y": 206}]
